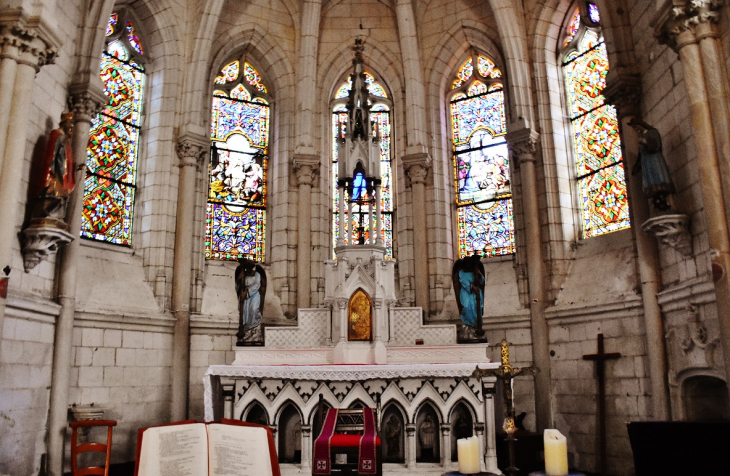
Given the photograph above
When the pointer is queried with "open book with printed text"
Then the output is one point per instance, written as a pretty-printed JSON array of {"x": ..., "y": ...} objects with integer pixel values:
[{"x": 225, "y": 448}]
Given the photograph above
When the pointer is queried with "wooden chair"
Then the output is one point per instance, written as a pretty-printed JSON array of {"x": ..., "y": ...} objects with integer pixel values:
[{"x": 77, "y": 449}]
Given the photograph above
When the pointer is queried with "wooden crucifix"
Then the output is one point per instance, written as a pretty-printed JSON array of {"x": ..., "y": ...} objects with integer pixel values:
[{"x": 600, "y": 358}]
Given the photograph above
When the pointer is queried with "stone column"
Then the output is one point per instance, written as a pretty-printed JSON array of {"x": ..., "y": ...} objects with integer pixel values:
[
  {"x": 411, "y": 446},
  {"x": 190, "y": 149},
  {"x": 306, "y": 168},
  {"x": 307, "y": 76},
  {"x": 417, "y": 167},
  {"x": 523, "y": 146},
  {"x": 682, "y": 37},
  {"x": 22, "y": 53},
  {"x": 446, "y": 444},
  {"x": 625, "y": 94},
  {"x": 490, "y": 455},
  {"x": 306, "y": 448},
  {"x": 85, "y": 101},
  {"x": 479, "y": 430}
]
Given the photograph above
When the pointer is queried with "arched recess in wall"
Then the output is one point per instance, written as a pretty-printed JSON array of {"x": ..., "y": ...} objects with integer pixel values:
[
  {"x": 382, "y": 123},
  {"x": 598, "y": 166},
  {"x": 235, "y": 224},
  {"x": 113, "y": 151},
  {"x": 480, "y": 159}
]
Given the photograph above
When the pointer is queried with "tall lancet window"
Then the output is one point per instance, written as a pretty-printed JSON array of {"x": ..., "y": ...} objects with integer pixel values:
[
  {"x": 599, "y": 164},
  {"x": 358, "y": 201},
  {"x": 236, "y": 211},
  {"x": 481, "y": 160},
  {"x": 111, "y": 162}
]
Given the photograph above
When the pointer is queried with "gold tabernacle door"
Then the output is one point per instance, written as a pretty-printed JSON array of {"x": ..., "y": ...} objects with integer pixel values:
[{"x": 359, "y": 317}]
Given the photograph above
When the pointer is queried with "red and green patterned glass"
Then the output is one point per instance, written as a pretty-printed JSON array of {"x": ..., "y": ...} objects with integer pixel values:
[
  {"x": 481, "y": 162},
  {"x": 235, "y": 225},
  {"x": 596, "y": 141},
  {"x": 110, "y": 186},
  {"x": 380, "y": 116}
]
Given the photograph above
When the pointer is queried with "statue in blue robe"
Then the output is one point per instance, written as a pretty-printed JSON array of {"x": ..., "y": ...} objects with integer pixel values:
[{"x": 468, "y": 279}]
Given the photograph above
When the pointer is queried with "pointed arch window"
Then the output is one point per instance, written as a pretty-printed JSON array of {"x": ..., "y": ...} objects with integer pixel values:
[
  {"x": 599, "y": 164},
  {"x": 113, "y": 150},
  {"x": 481, "y": 160},
  {"x": 381, "y": 122},
  {"x": 235, "y": 223}
]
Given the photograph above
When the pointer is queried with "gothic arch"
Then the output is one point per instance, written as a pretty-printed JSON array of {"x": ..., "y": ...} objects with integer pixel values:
[{"x": 469, "y": 407}]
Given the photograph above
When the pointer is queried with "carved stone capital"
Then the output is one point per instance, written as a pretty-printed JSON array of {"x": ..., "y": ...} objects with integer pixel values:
[
  {"x": 40, "y": 242},
  {"x": 306, "y": 169},
  {"x": 27, "y": 39},
  {"x": 523, "y": 144},
  {"x": 624, "y": 92},
  {"x": 416, "y": 167},
  {"x": 683, "y": 23},
  {"x": 191, "y": 149},
  {"x": 671, "y": 230},
  {"x": 85, "y": 101},
  {"x": 342, "y": 304}
]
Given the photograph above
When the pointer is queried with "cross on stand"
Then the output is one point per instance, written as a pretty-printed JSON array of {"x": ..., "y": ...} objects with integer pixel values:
[
  {"x": 600, "y": 359},
  {"x": 506, "y": 373}
]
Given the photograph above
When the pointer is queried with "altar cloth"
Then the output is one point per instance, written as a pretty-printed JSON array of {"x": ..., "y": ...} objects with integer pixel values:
[{"x": 342, "y": 372}]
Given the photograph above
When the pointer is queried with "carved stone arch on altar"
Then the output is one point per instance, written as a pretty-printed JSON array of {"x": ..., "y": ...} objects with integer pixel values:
[
  {"x": 357, "y": 394},
  {"x": 289, "y": 433},
  {"x": 356, "y": 404},
  {"x": 462, "y": 418},
  {"x": 428, "y": 394},
  {"x": 703, "y": 395},
  {"x": 255, "y": 413},
  {"x": 428, "y": 432},
  {"x": 360, "y": 316},
  {"x": 393, "y": 432}
]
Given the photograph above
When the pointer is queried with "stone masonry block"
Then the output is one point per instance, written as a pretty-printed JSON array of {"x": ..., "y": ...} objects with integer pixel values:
[
  {"x": 91, "y": 377},
  {"x": 112, "y": 338},
  {"x": 103, "y": 357},
  {"x": 133, "y": 339},
  {"x": 84, "y": 356},
  {"x": 92, "y": 337}
]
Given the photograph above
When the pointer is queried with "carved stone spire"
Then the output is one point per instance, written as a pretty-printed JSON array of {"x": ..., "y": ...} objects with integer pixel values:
[{"x": 358, "y": 109}]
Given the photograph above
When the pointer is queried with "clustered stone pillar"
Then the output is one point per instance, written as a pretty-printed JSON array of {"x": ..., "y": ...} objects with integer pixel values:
[
  {"x": 417, "y": 167},
  {"x": 190, "y": 149},
  {"x": 306, "y": 168},
  {"x": 523, "y": 145},
  {"x": 688, "y": 25},
  {"x": 85, "y": 101},
  {"x": 22, "y": 53},
  {"x": 625, "y": 94}
]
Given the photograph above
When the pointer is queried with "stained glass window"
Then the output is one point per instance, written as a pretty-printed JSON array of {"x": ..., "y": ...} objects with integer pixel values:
[
  {"x": 235, "y": 223},
  {"x": 111, "y": 163},
  {"x": 381, "y": 122},
  {"x": 599, "y": 163},
  {"x": 481, "y": 160}
]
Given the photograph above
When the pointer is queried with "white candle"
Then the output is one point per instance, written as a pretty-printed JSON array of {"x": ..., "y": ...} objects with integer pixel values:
[
  {"x": 556, "y": 453},
  {"x": 468, "y": 453}
]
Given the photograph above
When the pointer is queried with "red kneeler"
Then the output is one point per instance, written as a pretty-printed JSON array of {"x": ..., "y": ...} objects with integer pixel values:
[{"x": 352, "y": 433}]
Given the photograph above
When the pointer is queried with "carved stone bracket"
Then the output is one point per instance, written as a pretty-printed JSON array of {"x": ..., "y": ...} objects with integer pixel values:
[
  {"x": 85, "y": 101},
  {"x": 40, "y": 241},
  {"x": 523, "y": 144},
  {"x": 671, "y": 230},
  {"x": 306, "y": 169},
  {"x": 416, "y": 167},
  {"x": 191, "y": 149},
  {"x": 674, "y": 20},
  {"x": 27, "y": 38},
  {"x": 624, "y": 92}
]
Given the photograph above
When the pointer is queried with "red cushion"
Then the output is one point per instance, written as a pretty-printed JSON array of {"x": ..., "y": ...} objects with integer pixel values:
[{"x": 347, "y": 441}]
